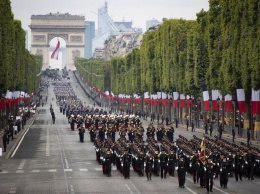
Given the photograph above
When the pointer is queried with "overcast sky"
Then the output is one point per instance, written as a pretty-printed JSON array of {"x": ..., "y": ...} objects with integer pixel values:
[{"x": 138, "y": 11}]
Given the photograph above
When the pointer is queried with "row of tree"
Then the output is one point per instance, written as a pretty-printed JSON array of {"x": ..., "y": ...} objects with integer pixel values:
[
  {"x": 221, "y": 48},
  {"x": 18, "y": 68}
]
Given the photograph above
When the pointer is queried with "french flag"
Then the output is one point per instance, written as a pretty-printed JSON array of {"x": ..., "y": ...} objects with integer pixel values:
[
  {"x": 55, "y": 53},
  {"x": 154, "y": 99},
  {"x": 228, "y": 103},
  {"x": 205, "y": 97},
  {"x": 163, "y": 99},
  {"x": 255, "y": 102},
  {"x": 182, "y": 101},
  {"x": 175, "y": 99},
  {"x": 146, "y": 98},
  {"x": 215, "y": 95},
  {"x": 107, "y": 96},
  {"x": 241, "y": 100}
]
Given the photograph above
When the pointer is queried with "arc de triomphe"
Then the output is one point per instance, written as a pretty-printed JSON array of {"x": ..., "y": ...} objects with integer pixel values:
[{"x": 69, "y": 27}]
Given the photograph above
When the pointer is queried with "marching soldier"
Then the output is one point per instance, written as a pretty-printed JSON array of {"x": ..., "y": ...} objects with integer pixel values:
[
  {"x": 238, "y": 165},
  {"x": 224, "y": 173},
  {"x": 250, "y": 164},
  {"x": 108, "y": 161},
  {"x": 181, "y": 171},
  {"x": 81, "y": 133},
  {"x": 141, "y": 159},
  {"x": 148, "y": 167},
  {"x": 195, "y": 165},
  {"x": 209, "y": 175},
  {"x": 126, "y": 164},
  {"x": 156, "y": 163},
  {"x": 92, "y": 133},
  {"x": 163, "y": 164},
  {"x": 72, "y": 122},
  {"x": 171, "y": 163}
]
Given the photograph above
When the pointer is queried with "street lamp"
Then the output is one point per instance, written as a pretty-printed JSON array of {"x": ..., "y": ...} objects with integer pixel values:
[
  {"x": 190, "y": 100},
  {"x": 218, "y": 100}
]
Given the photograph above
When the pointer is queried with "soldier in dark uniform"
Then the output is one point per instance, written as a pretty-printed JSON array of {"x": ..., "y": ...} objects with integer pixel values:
[
  {"x": 148, "y": 167},
  {"x": 163, "y": 164},
  {"x": 156, "y": 164},
  {"x": 181, "y": 171},
  {"x": 53, "y": 117},
  {"x": 81, "y": 133},
  {"x": 11, "y": 127},
  {"x": 141, "y": 159},
  {"x": 172, "y": 163},
  {"x": 5, "y": 137},
  {"x": 195, "y": 164},
  {"x": 92, "y": 133},
  {"x": 108, "y": 161},
  {"x": 202, "y": 175},
  {"x": 250, "y": 164},
  {"x": 209, "y": 175},
  {"x": 239, "y": 162},
  {"x": 224, "y": 173},
  {"x": 126, "y": 164}
]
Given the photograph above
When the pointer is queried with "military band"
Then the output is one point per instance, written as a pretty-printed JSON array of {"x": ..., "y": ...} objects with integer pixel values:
[{"x": 154, "y": 151}]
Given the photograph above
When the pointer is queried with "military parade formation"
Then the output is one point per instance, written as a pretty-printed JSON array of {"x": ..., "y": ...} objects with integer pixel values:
[{"x": 122, "y": 141}]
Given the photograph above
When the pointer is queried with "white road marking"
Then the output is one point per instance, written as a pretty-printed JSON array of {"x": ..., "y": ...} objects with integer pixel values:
[
  {"x": 35, "y": 171},
  {"x": 20, "y": 171},
  {"x": 190, "y": 190},
  {"x": 52, "y": 170},
  {"x": 220, "y": 190},
  {"x": 83, "y": 169},
  {"x": 71, "y": 189},
  {"x": 128, "y": 187},
  {"x": 134, "y": 187},
  {"x": 21, "y": 165},
  {"x": 98, "y": 169},
  {"x": 48, "y": 142},
  {"x": 67, "y": 170},
  {"x": 19, "y": 143},
  {"x": 4, "y": 172},
  {"x": 66, "y": 163},
  {"x": 13, "y": 190}
]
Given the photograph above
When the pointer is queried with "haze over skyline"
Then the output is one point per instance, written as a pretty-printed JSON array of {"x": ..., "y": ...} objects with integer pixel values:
[{"x": 135, "y": 10}]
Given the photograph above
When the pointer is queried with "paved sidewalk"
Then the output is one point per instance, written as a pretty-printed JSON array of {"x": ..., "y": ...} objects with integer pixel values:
[
  {"x": 225, "y": 135},
  {"x": 13, "y": 144}
]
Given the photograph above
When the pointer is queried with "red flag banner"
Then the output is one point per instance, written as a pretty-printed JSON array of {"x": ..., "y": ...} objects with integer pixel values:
[
  {"x": 255, "y": 105},
  {"x": 228, "y": 103},
  {"x": 203, "y": 152},
  {"x": 241, "y": 100},
  {"x": 206, "y": 100},
  {"x": 55, "y": 53}
]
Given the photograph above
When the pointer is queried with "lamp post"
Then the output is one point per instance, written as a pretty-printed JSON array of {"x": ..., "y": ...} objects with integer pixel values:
[
  {"x": 218, "y": 100},
  {"x": 178, "y": 112},
  {"x": 190, "y": 100}
]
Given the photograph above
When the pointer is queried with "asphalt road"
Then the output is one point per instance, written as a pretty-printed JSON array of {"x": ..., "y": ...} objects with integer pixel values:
[{"x": 50, "y": 159}]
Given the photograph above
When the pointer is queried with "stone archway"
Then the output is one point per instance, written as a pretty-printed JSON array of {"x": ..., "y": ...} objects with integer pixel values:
[{"x": 69, "y": 27}]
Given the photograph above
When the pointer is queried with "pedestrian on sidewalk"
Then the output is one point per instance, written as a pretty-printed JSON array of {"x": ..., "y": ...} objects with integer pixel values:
[
  {"x": 248, "y": 137},
  {"x": 187, "y": 123},
  {"x": 210, "y": 128},
  {"x": 220, "y": 129},
  {"x": 206, "y": 127},
  {"x": 233, "y": 134},
  {"x": 192, "y": 126}
]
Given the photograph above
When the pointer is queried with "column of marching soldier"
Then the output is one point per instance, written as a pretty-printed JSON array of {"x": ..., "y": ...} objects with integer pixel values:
[{"x": 159, "y": 155}]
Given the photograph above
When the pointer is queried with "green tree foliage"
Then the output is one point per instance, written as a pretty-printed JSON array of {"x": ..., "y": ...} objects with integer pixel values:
[
  {"x": 95, "y": 72},
  {"x": 7, "y": 45},
  {"x": 18, "y": 68}
]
